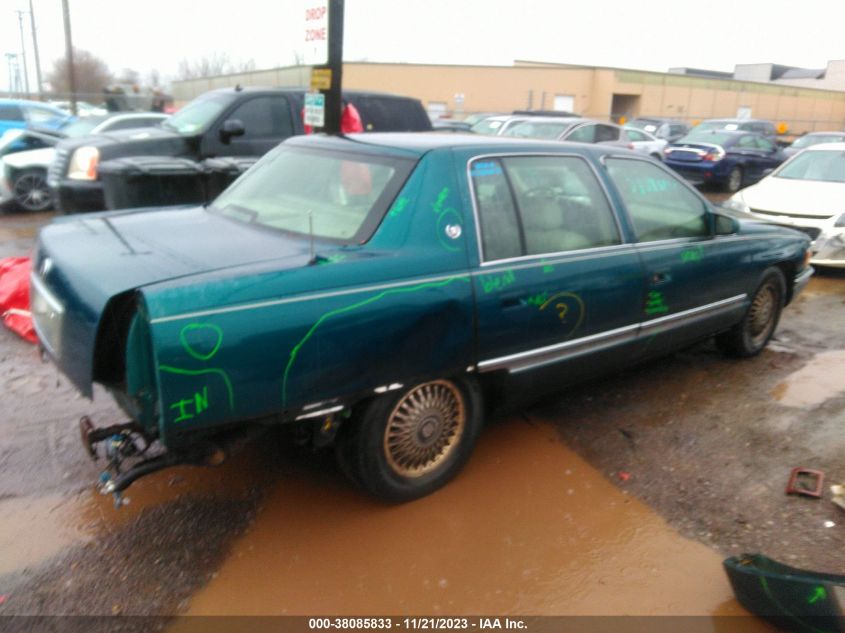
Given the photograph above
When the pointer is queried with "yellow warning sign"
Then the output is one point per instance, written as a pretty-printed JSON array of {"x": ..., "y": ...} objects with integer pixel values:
[{"x": 321, "y": 79}]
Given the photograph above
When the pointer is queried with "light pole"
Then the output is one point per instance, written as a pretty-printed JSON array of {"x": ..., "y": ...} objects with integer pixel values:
[
  {"x": 35, "y": 50},
  {"x": 23, "y": 52},
  {"x": 71, "y": 72}
]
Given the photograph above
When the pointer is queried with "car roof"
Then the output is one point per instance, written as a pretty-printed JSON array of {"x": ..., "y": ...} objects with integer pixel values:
[
  {"x": 419, "y": 143},
  {"x": 826, "y": 147},
  {"x": 736, "y": 121}
]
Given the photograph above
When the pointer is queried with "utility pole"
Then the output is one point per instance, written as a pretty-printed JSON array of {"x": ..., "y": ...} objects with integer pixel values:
[
  {"x": 35, "y": 50},
  {"x": 71, "y": 72},
  {"x": 23, "y": 52},
  {"x": 334, "y": 105}
]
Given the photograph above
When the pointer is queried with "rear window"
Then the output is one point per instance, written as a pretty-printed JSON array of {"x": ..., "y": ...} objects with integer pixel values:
[{"x": 337, "y": 196}]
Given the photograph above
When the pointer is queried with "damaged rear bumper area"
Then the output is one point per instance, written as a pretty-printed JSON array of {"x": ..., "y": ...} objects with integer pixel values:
[{"x": 130, "y": 453}]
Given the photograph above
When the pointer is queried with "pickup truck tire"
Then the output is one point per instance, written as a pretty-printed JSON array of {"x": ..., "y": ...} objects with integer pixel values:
[
  {"x": 407, "y": 444},
  {"x": 749, "y": 336}
]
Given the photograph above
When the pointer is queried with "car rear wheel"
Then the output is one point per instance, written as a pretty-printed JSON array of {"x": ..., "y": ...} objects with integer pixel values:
[
  {"x": 31, "y": 191},
  {"x": 734, "y": 182},
  {"x": 405, "y": 445},
  {"x": 749, "y": 336}
]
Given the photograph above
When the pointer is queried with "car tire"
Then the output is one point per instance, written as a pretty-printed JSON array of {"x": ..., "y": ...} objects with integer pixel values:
[
  {"x": 734, "y": 181},
  {"x": 30, "y": 190},
  {"x": 748, "y": 337},
  {"x": 407, "y": 444}
]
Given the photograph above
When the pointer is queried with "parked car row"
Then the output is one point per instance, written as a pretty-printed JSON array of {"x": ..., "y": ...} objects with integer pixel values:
[{"x": 23, "y": 174}]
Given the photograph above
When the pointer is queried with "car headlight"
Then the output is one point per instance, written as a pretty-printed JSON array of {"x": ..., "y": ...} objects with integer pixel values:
[
  {"x": 83, "y": 164},
  {"x": 736, "y": 204},
  {"x": 840, "y": 221}
]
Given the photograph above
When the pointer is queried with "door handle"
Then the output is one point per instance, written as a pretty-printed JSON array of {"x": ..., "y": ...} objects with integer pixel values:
[{"x": 661, "y": 277}]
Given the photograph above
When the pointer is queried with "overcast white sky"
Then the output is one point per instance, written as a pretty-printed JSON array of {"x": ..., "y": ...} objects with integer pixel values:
[{"x": 650, "y": 34}]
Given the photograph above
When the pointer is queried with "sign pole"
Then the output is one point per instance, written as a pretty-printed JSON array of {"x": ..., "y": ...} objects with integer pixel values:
[{"x": 334, "y": 106}]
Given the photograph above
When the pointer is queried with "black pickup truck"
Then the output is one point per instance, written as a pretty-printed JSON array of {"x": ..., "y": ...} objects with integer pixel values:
[{"x": 226, "y": 122}]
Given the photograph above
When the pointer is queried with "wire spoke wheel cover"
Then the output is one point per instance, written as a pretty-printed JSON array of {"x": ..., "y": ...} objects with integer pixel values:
[
  {"x": 424, "y": 428},
  {"x": 761, "y": 314}
]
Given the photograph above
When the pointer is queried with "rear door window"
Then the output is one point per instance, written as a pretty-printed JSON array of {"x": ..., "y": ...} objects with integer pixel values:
[
  {"x": 536, "y": 205},
  {"x": 10, "y": 113}
]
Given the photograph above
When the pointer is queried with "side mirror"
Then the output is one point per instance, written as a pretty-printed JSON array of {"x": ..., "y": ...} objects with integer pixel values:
[
  {"x": 231, "y": 128},
  {"x": 725, "y": 225}
]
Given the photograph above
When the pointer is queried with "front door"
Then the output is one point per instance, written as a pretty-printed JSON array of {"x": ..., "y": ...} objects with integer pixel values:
[
  {"x": 556, "y": 282},
  {"x": 693, "y": 280}
]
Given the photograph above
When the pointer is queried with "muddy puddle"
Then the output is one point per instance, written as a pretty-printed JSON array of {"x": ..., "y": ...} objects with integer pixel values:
[
  {"x": 34, "y": 529},
  {"x": 819, "y": 380},
  {"x": 527, "y": 528}
]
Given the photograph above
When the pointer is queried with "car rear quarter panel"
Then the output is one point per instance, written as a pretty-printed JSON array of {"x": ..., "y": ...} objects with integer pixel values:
[{"x": 243, "y": 344}]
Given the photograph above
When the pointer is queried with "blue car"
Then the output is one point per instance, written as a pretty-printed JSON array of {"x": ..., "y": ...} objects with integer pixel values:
[
  {"x": 726, "y": 158},
  {"x": 20, "y": 113}
]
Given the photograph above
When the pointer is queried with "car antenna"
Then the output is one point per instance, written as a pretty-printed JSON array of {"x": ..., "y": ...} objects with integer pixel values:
[{"x": 313, "y": 259}]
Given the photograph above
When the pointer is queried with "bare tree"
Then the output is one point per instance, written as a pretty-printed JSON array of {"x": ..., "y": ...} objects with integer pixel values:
[
  {"x": 92, "y": 74},
  {"x": 217, "y": 63},
  {"x": 128, "y": 76}
]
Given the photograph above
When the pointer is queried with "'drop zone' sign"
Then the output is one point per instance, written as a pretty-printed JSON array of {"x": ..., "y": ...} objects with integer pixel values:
[{"x": 316, "y": 51}]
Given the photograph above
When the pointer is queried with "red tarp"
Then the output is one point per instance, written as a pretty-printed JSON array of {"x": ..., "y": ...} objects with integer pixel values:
[{"x": 14, "y": 296}]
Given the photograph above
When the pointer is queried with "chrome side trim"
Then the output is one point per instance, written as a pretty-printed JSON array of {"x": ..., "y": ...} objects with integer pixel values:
[
  {"x": 531, "y": 359},
  {"x": 299, "y": 298},
  {"x": 553, "y": 353},
  {"x": 655, "y": 326},
  {"x": 320, "y": 413}
]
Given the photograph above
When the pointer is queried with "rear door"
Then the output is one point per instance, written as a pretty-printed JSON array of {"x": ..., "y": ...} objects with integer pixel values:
[{"x": 556, "y": 281}]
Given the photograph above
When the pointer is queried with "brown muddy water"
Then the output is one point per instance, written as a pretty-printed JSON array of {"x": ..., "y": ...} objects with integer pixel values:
[
  {"x": 819, "y": 380},
  {"x": 527, "y": 528}
]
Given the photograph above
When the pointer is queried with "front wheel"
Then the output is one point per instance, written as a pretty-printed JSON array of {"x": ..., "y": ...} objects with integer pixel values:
[
  {"x": 31, "y": 191},
  {"x": 749, "y": 336},
  {"x": 406, "y": 445}
]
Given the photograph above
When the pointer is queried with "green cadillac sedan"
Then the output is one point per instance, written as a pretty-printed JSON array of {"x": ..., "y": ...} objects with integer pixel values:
[{"x": 372, "y": 289}]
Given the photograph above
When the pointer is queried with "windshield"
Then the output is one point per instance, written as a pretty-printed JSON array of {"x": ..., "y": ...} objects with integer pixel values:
[
  {"x": 827, "y": 166},
  {"x": 538, "y": 129},
  {"x": 713, "y": 138},
  {"x": 328, "y": 194},
  {"x": 715, "y": 125},
  {"x": 488, "y": 126},
  {"x": 817, "y": 139},
  {"x": 644, "y": 124},
  {"x": 197, "y": 116},
  {"x": 80, "y": 127}
]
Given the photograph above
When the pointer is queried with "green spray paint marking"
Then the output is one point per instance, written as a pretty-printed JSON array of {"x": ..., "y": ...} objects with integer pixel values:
[
  {"x": 548, "y": 269},
  {"x": 437, "y": 207},
  {"x": 365, "y": 302},
  {"x": 199, "y": 403},
  {"x": 202, "y": 372},
  {"x": 819, "y": 594},
  {"x": 499, "y": 282},
  {"x": 655, "y": 303},
  {"x": 444, "y": 217},
  {"x": 806, "y": 625},
  {"x": 195, "y": 327},
  {"x": 694, "y": 254},
  {"x": 536, "y": 300},
  {"x": 399, "y": 207},
  {"x": 331, "y": 259}
]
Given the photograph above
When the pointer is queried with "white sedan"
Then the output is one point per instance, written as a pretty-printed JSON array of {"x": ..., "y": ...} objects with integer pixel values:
[
  {"x": 806, "y": 193},
  {"x": 646, "y": 143}
]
